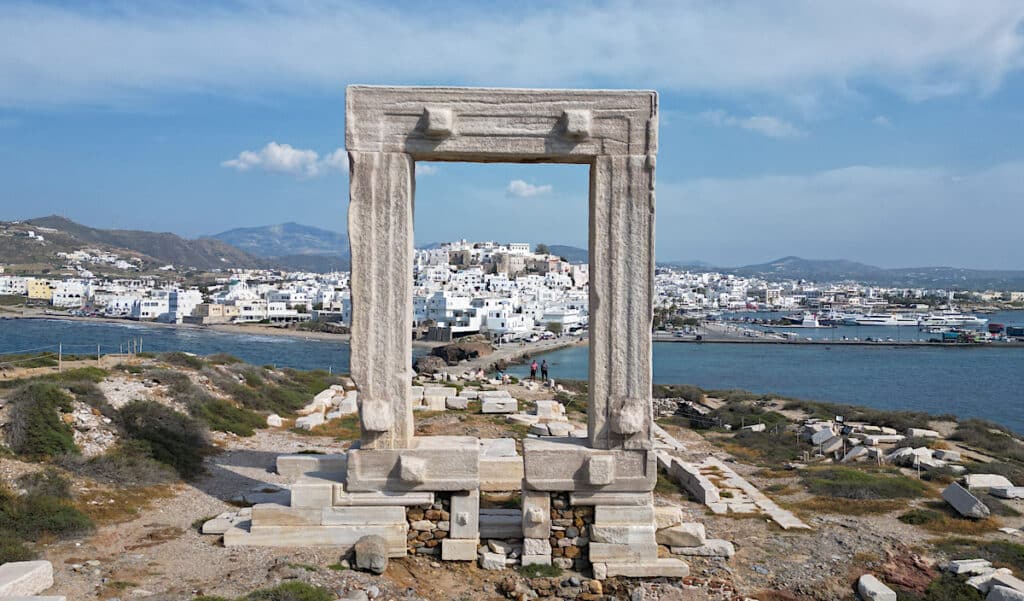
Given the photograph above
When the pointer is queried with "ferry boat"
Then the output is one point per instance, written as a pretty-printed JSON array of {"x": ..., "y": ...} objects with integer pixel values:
[
  {"x": 953, "y": 319},
  {"x": 887, "y": 319}
]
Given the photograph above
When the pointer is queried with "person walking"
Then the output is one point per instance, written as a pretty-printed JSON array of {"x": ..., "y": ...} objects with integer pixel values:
[
  {"x": 544, "y": 370},
  {"x": 533, "y": 371}
]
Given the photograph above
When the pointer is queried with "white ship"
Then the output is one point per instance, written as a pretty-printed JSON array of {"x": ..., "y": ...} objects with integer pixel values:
[
  {"x": 887, "y": 319},
  {"x": 952, "y": 319}
]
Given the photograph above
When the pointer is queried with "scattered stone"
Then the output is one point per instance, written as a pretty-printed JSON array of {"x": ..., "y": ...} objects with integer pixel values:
[
  {"x": 682, "y": 535},
  {"x": 371, "y": 553},
  {"x": 492, "y": 561},
  {"x": 1003, "y": 593},
  {"x": 964, "y": 502},
  {"x": 1008, "y": 492},
  {"x": 712, "y": 547},
  {"x": 274, "y": 420},
  {"x": 972, "y": 481},
  {"x": 872, "y": 589},
  {"x": 25, "y": 578}
]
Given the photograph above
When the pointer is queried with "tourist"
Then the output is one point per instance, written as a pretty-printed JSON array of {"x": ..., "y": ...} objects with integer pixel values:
[
  {"x": 533, "y": 371},
  {"x": 544, "y": 370}
]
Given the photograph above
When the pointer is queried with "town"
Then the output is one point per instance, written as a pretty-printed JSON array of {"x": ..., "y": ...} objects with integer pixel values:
[{"x": 508, "y": 292}]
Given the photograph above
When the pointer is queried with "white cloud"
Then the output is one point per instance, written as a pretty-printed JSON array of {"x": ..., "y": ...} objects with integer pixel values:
[
  {"x": 288, "y": 160},
  {"x": 522, "y": 189},
  {"x": 120, "y": 53},
  {"x": 889, "y": 216},
  {"x": 425, "y": 169},
  {"x": 882, "y": 120},
  {"x": 772, "y": 127}
]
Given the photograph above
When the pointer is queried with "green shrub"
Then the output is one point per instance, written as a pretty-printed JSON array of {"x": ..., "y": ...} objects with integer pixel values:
[
  {"x": 89, "y": 393},
  {"x": 129, "y": 465},
  {"x": 222, "y": 359},
  {"x": 291, "y": 591},
  {"x": 999, "y": 552},
  {"x": 946, "y": 587},
  {"x": 536, "y": 570},
  {"x": 36, "y": 430},
  {"x": 223, "y": 416},
  {"x": 989, "y": 437},
  {"x": 48, "y": 482},
  {"x": 768, "y": 447},
  {"x": 918, "y": 517},
  {"x": 35, "y": 515},
  {"x": 180, "y": 359},
  {"x": 849, "y": 483},
  {"x": 172, "y": 438},
  {"x": 13, "y": 549}
]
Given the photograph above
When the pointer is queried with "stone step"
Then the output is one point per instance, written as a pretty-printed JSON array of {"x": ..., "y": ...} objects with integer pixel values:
[
  {"x": 245, "y": 534},
  {"x": 623, "y": 534},
  {"x": 604, "y": 552},
  {"x": 665, "y": 567},
  {"x": 381, "y": 499},
  {"x": 614, "y": 515},
  {"x": 294, "y": 466},
  {"x": 281, "y": 515}
]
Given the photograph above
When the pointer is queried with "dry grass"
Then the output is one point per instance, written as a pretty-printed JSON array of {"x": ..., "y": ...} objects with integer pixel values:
[
  {"x": 847, "y": 506},
  {"x": 343, "y": 428},
  {"x": 940, "y": 518},
  {"x": 116, "y": 505}
]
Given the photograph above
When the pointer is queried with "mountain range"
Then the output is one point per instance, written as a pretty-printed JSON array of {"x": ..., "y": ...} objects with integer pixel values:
[{"x": 296, "y": 247}]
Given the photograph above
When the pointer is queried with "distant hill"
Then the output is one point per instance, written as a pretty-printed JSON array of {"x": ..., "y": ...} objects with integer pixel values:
[
  {"x": 312, "y": 263},
  {"x": 157, "y": 248},
  {"x": 285, "y": 239},
  {"x": 572, "y": 254},
  {"x": 795, "y": 268}
]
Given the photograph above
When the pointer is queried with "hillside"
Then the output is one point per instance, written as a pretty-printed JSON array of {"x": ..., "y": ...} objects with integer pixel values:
[
  {"x": 796, "y": 268},
  {"x": 572, "y": 254},
  {"x": 286, "y": 239},
  {"x": 162, "y": 248}
]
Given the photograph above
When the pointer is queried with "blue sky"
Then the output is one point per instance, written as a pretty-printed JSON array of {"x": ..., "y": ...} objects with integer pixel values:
[{"x": 885, "y": 132}]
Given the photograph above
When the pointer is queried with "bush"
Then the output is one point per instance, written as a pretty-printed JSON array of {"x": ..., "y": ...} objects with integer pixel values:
[
  {"x": 222, "y": 359},
  {"x": 536, "y": 570},
  {"x": 946, "y": 587},
  {"x": 130, "y": 465},
  {"x": 291, "y": 591},
  {"x": 919, "y": 517},
  {"x": 48, "y": 482},
  {"x": 767, "y": 447},
  {"x": 13, "y": 549},
  {"x": 225, "y": 417},
  {"x": 1000, "y": 553},
  {"x": 989, "y": 437},
  {"x": 36, "y": 430},
  {"x": 849, "y": 483},
  {"x": 172, "y": 438},
  {"x": 36, "y": 515},
  {"x": 180, "y": 359}
]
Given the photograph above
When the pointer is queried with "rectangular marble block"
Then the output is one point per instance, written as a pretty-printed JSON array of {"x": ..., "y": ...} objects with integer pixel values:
[
  {"x": 501, "y": 523},
  {"x": 497, "y": 405},
  {"x": 609, "y": 515},
  {"x": 501, "y": 473},
  {"x": 465, "y": 515},
  {"x": 536, "y": 514},
  {"x": 569, "y": 464},
  {"x": 454, "y": 549},
  {"x": 293, "y": 466},
  {"x": 246, "y": 534},
  {"x": 310, "y": 491},
  {"x": 380, "y": 499},
  {"x": 626, "y": 499},
  {"x": 25, "y": 578},
  {"x": 622, "y": 552},
  {"x": 664, "y": 568},
  {"x": 432, "y": 463}
]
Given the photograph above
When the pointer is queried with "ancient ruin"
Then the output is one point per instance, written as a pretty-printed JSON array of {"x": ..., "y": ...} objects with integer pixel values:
[{"x": 339, "y": 499}]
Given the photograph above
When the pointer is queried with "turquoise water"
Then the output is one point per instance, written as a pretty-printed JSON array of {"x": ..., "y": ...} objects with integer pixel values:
[
  {"x": 971, "y": 382},
  {"x": 976, "y": 382}
]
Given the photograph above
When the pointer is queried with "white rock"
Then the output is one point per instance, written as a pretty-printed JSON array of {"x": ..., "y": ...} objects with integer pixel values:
[
  {"x": 972, "y": 481},
  {"x": 964, "y": 502},
  {"x": 274, "y": 420},
  {"x": 1003, "y": 593},
  {"x": 308, "y": 422},
  {"x": 682, "y": 535},
  {"x": 1011, "y": 492},
  {"x": 492, "y": 561},
  {"x": 25, "y": 578},
  {"x": 872, "y": 589},
  {"x": 666, "y": 516}
]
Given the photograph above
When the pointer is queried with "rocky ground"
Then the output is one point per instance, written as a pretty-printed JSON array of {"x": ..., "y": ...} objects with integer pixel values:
[{"x": 148, "y": 546}]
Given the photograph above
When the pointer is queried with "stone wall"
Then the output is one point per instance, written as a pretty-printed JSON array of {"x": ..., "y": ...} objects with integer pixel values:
[
  {"x": 570, "y": 531},
  {"x": 428, "y": 526}
]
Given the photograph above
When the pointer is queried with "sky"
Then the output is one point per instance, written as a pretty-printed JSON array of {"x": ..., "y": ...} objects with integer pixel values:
[{"x": 888, "y": 132}]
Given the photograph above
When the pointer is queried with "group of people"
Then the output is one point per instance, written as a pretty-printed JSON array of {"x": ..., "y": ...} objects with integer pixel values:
[{"x": 543, "y": 371}]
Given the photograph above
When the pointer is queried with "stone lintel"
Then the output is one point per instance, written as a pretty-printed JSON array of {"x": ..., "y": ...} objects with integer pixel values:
[
  {"x": 431, "y": 463},
  {"x": 568, "y": 464}
]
